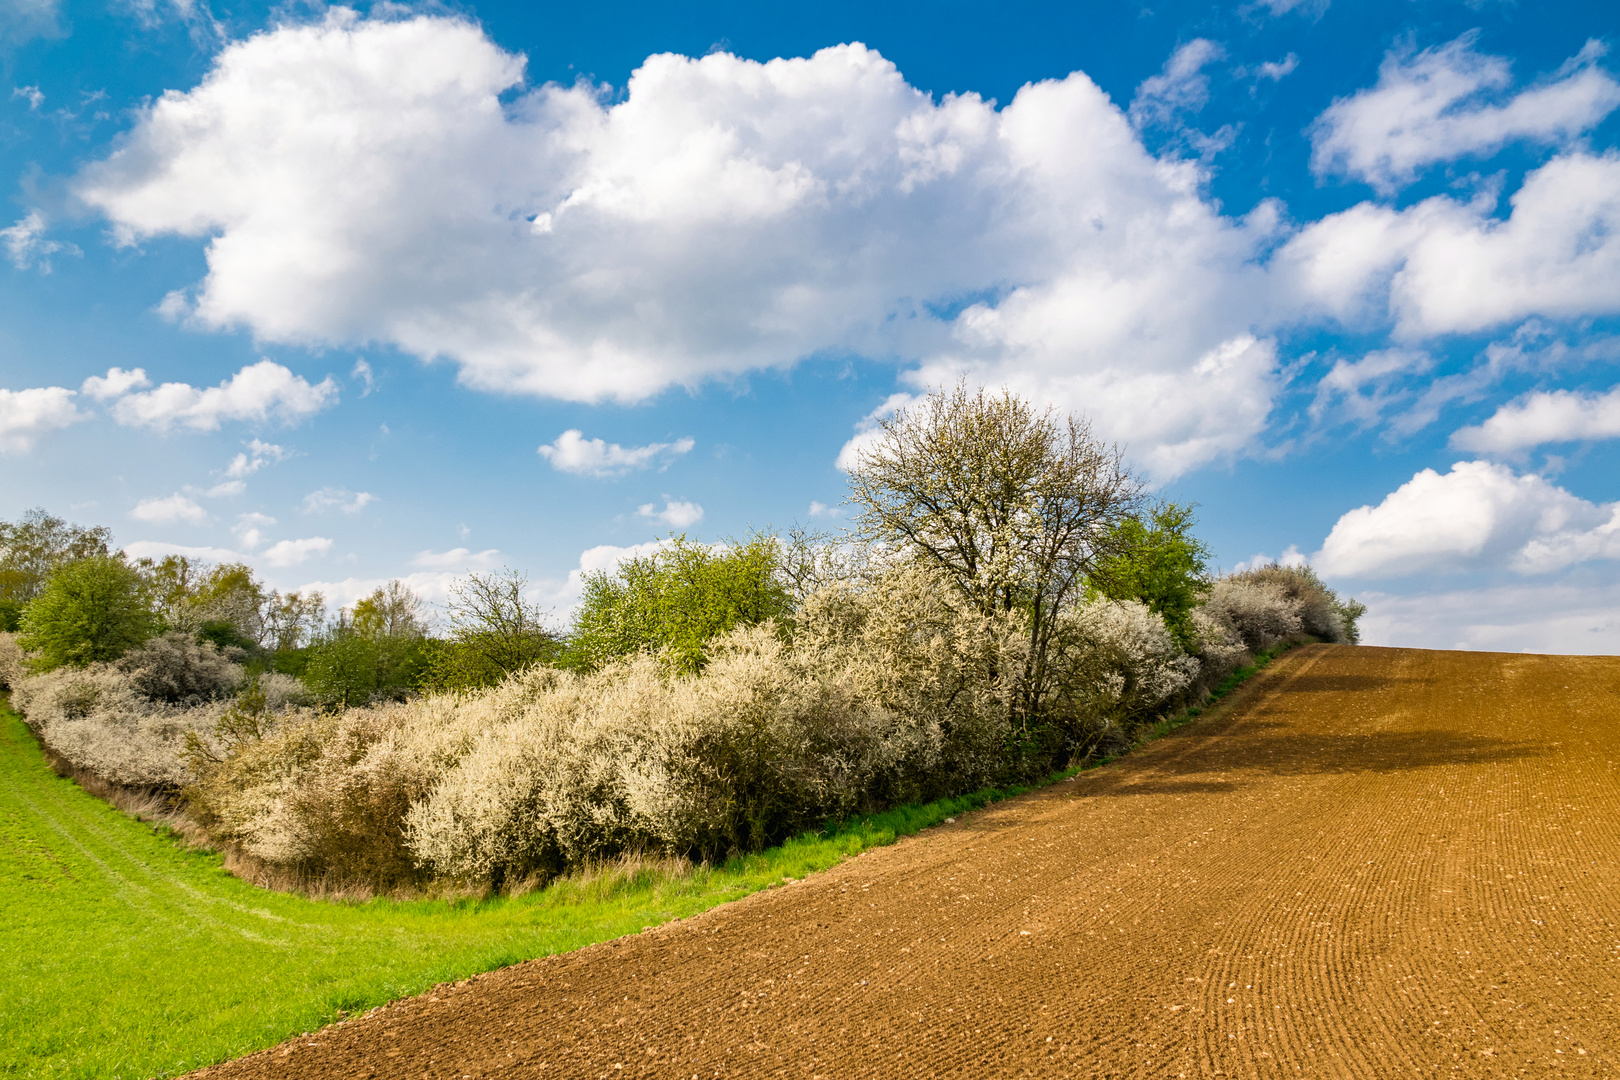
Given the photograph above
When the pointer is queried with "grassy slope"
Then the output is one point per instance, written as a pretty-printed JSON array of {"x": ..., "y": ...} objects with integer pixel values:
[{"x": 124, "y": 955}]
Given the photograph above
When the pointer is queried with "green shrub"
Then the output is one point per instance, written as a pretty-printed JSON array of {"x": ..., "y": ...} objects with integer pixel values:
[
  {"x": 676, "y": 600},
  {"x": 92, "y": 610},
  {"x": 347, "y": 667},
  {"x": 1155, "y": 559}
]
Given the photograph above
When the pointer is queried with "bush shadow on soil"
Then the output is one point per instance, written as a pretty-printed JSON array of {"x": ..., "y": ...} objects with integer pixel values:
[{"x": 1276, "y": 749}]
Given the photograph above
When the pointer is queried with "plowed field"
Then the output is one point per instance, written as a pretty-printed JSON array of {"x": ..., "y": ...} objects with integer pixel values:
[{"x": 1379, "y": 862}]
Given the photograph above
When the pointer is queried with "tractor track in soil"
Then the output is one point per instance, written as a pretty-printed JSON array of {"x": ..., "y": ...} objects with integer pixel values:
[{"x": 1374, "y": 862}]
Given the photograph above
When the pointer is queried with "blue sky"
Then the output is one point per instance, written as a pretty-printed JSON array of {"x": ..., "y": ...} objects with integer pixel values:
[{"x": 358, "y": 293}]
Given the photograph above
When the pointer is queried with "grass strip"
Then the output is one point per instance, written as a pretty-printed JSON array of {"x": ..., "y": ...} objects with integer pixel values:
[{"x": 124, "y": 954}]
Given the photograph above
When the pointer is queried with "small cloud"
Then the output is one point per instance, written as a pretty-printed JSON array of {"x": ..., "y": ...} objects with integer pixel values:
[
  {"x": 869, "y": 427},
  {"x": 1312, "y": 8},
  {"x": 258, "y": 456},
  {"x": 821, "y": 509},
  {"x": 331, "y": 498},
  {"x": 677, "y": 515},
  {"x": 225, "y": 489},
  {"x": 27, "y": 247},
  {"x": 32, "y": 94},
  {"x": 362, "y": 373},
  {"x": 292, "y": 552},
  {"x": 259, "y": 392},
  {"x": 457, "y": 559},
  {"x": 1277, "y": 70},
  {"x": 1543, "y": 417},
  {"x": 1182, "y": 87},
  {"x": 573, "y": 453},
  {"x": 25, "y": 415},
  {"x": 249, "y": 529},
  {"x": 174, "y": 508},
  {"x": 174, "y": 306},
  {"x": 116, "y": 383}
]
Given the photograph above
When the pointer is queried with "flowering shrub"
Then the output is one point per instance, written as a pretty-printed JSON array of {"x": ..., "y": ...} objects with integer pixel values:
[
  {"x": 98, "y": 717},
  {"x": 886, "y": 687},
  {"x": 1115, "y": 664},
  {"x": 11, "y": 661}
]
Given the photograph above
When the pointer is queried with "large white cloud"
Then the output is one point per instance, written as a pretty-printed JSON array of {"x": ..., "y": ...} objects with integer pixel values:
[
  {"x": 1437, "y": 106},
  {"x": 25, "y": 415},
  {"x": 1479, "y": 516},
  {"x": 362, "y": 180},
  {"x": 1555, "y": 416},
  {"x": 1445, "y": 266}
]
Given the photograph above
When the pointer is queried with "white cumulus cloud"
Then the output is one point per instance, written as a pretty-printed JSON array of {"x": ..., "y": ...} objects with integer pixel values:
[
  {"x": 1480, "y": 515},
  {"x": 1568, "y": 617},
  {"x": 359, "y": 180},
  {"x": 675, "y": 514},
  {"x": 285, "y": 553},
  {"x": 171, "y": 508},
  {"x": 1443, "y": 266},
  {"x": 572, "y": 452},
  {"x": 258, "y": 393},
  {"x": 1441, "y": 104},
  {"x": 1536, "y": 419},
  {"x": 26, "y": 415}
]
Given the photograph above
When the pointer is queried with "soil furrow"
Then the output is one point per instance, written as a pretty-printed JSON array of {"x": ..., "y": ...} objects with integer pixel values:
[{"x": 1381, "y": 862}]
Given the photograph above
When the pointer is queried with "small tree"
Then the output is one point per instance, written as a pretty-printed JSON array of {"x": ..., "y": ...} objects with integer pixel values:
[
  {"x": 93, "y": 609},
  {"x": 677, "y": 599},
  {"x": 376, "y": 652},
  {"x": 292, "y": 619},
  {"x": 223, "y": 604},
  {"x": 494, "y": 631},
  {"x": 1012, "y": 504},
  {"x": 391, "y": 611},
  {"x": 1155, "y": 558}
]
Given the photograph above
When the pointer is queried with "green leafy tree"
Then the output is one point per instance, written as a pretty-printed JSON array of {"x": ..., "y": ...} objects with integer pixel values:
[
  {"x": 677, "y": 599},
  {"x": 1155, "y": 558},
  {"x": 97, "y": 608}
]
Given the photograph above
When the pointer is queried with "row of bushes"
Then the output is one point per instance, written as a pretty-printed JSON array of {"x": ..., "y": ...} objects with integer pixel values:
[{"x": 884, "y": 689}]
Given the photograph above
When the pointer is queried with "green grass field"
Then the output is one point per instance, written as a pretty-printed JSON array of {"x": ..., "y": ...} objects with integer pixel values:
[{"x": 124, "y": 954}]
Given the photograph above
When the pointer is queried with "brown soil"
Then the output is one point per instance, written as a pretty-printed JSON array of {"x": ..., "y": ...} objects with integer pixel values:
[{"x": 1381, "y": 862}]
